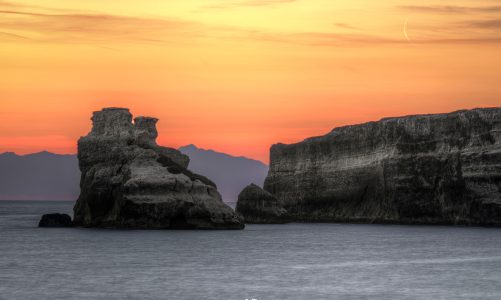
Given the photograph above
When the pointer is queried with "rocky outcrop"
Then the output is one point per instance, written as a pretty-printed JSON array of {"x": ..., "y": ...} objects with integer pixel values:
[
  {"x": 55, "y": 220},
  {"x": 424, "y": 169},
  {"x": 128, "y": 181},
  {"x": 258, "y": 206}
]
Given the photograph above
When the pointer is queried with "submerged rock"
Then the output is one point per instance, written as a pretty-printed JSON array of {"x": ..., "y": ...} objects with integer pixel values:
[
  {"x": 425, "y": 169},
  {"x": 128, "y": 181},
  {"x": 55, "y": 220},
  {"x": 258, "y": 206}
]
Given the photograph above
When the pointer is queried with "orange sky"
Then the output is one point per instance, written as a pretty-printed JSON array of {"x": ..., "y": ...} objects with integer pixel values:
[{"x": 239, "y": 75}]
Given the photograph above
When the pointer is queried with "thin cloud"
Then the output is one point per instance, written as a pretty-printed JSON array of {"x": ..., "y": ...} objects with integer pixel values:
[
  {"x": 16, "y": 5},
  {"x": 470, "y": 40},
  {"x": 345, "y": 26},
  {"x": 327, "y": 39},
  {"x": 334, "y": 39},
  {"x": 450, "y": 9},
  {"x": 80, "y": 26},
  {"x": 248, "y": 3},
  {"x": 299, "y": 38},
  {"x": 484, "y": 24},
  {"x": 57, "y": 26},
  {"x": 6, "y": 4},
  {"x": 104, "y": 27},
  {"x": 476, "y": 30}
]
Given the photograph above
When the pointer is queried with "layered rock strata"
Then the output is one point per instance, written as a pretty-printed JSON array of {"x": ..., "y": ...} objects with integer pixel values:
[
  {"x": 128, "y": 181},
  {"x": 424, "y": 169}
]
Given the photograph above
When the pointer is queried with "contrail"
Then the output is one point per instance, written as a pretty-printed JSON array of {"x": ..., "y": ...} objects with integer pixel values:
[{"x": 14, "y": 35}]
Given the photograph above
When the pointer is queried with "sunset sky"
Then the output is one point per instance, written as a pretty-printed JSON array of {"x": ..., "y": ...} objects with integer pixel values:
[{"x": 237, "y": 76}]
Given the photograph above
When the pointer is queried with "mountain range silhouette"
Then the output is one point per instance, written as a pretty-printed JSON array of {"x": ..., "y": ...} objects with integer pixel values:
[{"x": 49, "y": 176}]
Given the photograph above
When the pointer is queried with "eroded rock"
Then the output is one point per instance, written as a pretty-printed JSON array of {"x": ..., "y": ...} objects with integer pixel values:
[
  {"x": 128, "y": 181},
  {"x": 425, "y": 169},
  {"x": 258, "y": 206}
]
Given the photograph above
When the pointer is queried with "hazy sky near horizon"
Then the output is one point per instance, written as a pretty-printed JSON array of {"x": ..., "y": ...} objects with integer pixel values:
[{"x": 239, "y": 75}]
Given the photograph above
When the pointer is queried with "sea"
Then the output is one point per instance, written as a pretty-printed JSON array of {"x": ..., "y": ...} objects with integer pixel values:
[{"x": 292, "y": 261}]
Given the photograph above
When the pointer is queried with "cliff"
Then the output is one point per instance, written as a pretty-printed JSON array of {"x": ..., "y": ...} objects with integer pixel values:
[
  {"x": 129, "y": 181},
  {"x": 424, "y": 169}
]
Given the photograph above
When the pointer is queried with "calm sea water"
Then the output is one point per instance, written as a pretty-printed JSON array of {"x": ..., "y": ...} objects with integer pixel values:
[{"x": 295, "y": 261}]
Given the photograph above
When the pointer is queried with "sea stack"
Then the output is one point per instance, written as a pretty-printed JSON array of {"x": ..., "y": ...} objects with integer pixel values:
[
  {"x": 128, "y": 181},
  {"x": 256, "y": 205},
  {"x": 423, "y": 169}
]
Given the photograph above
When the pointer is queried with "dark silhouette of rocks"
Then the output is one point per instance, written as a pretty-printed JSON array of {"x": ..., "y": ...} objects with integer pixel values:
[
  {"x": 55, "y": 220},
  {"x": 128, "y": 181},
  {"x": 424, "y": 169},
  {"x": 258, "y": 206}
]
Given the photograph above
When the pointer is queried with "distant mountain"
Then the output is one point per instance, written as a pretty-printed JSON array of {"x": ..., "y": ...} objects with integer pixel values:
[
  {"x": 39, "y": 176},
  {"x": 49, "y": 176},
  {"x": 230, "y": 173}
]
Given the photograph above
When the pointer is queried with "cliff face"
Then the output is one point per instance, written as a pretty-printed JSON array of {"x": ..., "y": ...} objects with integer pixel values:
[
  {"x": 129, "y": 181},
  {"x": 431, "y": 169}
]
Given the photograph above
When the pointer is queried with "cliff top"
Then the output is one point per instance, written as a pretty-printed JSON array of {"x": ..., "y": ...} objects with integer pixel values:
[{"x": 409, "y": 119}]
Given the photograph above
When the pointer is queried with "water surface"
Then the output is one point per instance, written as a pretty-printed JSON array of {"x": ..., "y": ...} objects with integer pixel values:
[{"x": 294, "y": 261}]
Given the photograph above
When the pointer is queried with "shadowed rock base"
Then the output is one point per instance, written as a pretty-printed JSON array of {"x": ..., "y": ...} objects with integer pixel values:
[{"x": 128, "y": 181}]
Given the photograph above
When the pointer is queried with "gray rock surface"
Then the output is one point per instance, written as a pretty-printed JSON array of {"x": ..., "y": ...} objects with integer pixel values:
[
  {"x": 258, "y": 206},
  {"x": 424, "y": 169},
  {"x": 55, "y": 220},
  {"x": 128, "y": 181}
]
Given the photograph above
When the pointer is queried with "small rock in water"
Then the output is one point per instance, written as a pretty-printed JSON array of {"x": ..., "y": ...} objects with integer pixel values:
[
  {"x": 259, "y": 206},
  {"x": 55, "y": 220}
]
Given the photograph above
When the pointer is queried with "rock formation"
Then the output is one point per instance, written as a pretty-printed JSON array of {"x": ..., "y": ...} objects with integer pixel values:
[
  {"x": 424, "y": 169},
  {"x": 128, "y": 181},
  {"x": 258, "y": 206},
  {"x": 55, "y": 220}
]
